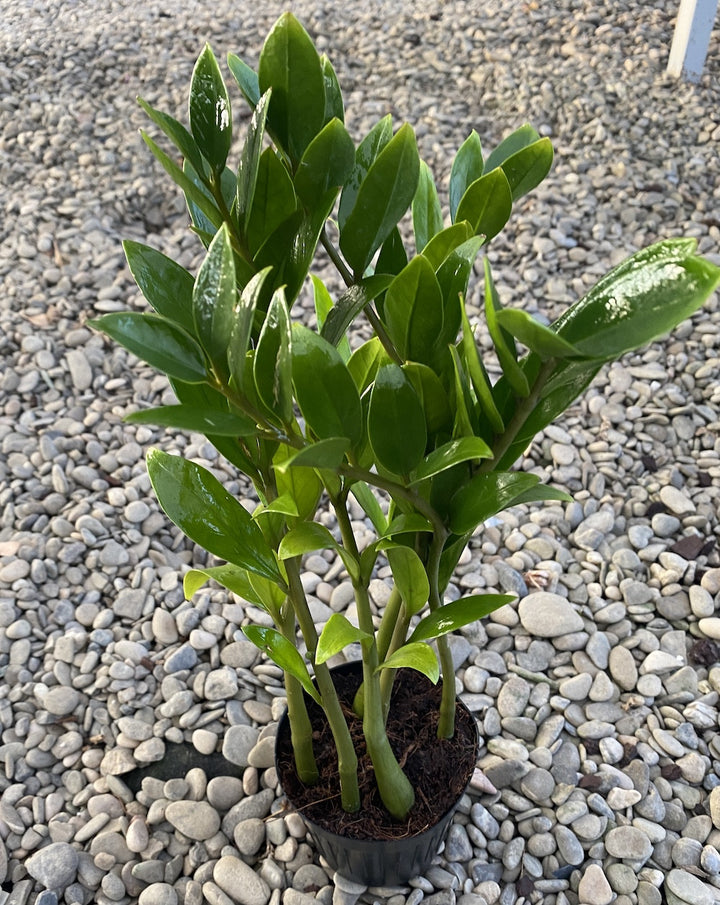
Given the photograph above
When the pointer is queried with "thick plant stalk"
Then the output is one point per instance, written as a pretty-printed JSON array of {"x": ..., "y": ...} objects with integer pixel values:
[
  {"x": 395, "y": 789},
  {"x": 446, "y": 722},
  {"x": 300, "y": 732},
  {"x": 347, "y": 758}
]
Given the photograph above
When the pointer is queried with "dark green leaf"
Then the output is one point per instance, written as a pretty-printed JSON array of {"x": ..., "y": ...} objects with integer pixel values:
[
  {"x": 393, "y": 256},
  {"x": 369, "y": 502},
  {"x": 396, "y": 422},
  {"x": 200, "y": 506},
  {"x": 463, "y": 450},
  {"x": 303, "y": 486},
  {"x": 283, "y": 653},
  {"x": 464, "y": 424},
  {"x": 273, "y": 200},
  {"x": 177, "y": 133},
  {"x": 504, "y": 344},
  {"x": 210, "y": 116},
  {"x": 326, "y": 164},
  {"x": 455, "y": 615},
  {"x": 542, "y": 493},
  {"x": 246, "y": 78},
  {"x": 453, "y": 277},
  {"x": 478, "y": 376},
  {"x": 158, "y": 342},
  {"x": 306, "y": 538},
  {"x": 165, "y": 284},
  {"x": 414, "y": 311},
  {"x": 487, "y": 204},
  {"x": 426, "y": 210},
  {"x": 323, "y": 309},
  {"x": 337, "y": 634},
  {"x": 350, "y": 304},
  {"x": 514, "y": 142},
  {"x": 190, "y": 189},
  {"x": 328, "y": 453},
  {"x": 243, "y": 316},
  {"x": 416, "y": 655},
  {"x": 290, "y": 65},
  {"x": 410, "y": 578},
  {"x": 536, "y": 336},
  {"x": 325, "y": 390},
  {"x": 365, "y": 156},
  {"x": 406, "y": 524},
  {"x": 203, "y": 421},
  {"x": 528, "y": 167},
  {"x": 467, "y": 168},
  {"x": 383, "y": 197},
  {"x": 334, "y": 106},
  {"x": 485, "y": 495},
  {"x": 432, "y": 394},
  {"x": 250, "y": 161},
  {"x": 639, "y": 300},
  {"x": 214, "y": 299},
  {"x": 272, "y": 368}
]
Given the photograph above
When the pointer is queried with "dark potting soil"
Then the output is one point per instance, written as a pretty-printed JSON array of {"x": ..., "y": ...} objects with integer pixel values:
[{"x": 439, "y": 769}]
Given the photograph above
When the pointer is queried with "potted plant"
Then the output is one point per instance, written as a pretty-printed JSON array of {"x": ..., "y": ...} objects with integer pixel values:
[{"x": 403, "y": 417}]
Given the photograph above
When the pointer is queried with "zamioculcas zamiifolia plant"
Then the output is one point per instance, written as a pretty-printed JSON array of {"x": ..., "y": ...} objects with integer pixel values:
[{"x": 409, "y": 416}]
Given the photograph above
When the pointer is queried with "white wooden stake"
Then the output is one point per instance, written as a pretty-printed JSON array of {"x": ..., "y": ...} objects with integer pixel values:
[{"x": 691, "y": 39}]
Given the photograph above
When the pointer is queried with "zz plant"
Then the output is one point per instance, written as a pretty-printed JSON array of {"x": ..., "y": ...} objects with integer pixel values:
[{"x": 410, "y": 412}]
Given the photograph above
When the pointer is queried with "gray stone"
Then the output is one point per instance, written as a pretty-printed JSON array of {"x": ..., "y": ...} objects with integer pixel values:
[
  {"x": 594, "y": 888},
  {"x": 628, "y": 843},
  {"x": 158, "y": 894},
  {"x": 195, "y": 819},
  {"x": 238, "y": 743},
  {"x": 547, "y": 615},
  {"x": 687, "y": 888},
  {"x": 55, "y": 865},
  {"x": 240, "y": 882}
]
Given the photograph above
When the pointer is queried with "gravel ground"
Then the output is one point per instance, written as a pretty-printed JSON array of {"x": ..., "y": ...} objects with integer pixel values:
[{"x": 601, "y": 762}]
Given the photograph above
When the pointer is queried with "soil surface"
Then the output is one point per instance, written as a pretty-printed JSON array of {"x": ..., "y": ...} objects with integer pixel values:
[{"x": 439, "y": 769}]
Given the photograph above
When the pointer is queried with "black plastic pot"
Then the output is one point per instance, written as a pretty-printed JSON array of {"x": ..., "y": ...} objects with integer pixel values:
[{"x": 376, "y": 862}]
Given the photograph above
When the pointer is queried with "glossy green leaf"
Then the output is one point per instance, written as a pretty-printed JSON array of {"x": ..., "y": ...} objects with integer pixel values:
[
  {"x": 306, "y": 538},
  {"x": 200, "y": 506},
  {"x": 414, "y": 311},
  {"x": 243, "y": 317},
  {"x": 231, "y": 577},
  {"x": 410, "y": 578},
  {"x": 283, "y": 653},
  {"x": 528, "y": 167},
  {"x": 370, "y": 505},
  {"x": 157, "y": 341},
  {"x": 455, "y": 615},
  {"x": 416, "y": 655},
  {"x": 365, "y": 361},
  {"x": 536, "y": 336},
  {"x": 542, "y": 493},
  {"x": 464, "y": 423},
  {"x": 467, "y": 167},
  {"x": 325, "y": 391},
  {"x": 274, "y": 200},
  {"x": 214, "y": 299},
  {"x": 412, "y": 523},
  {"x": 246, "y": 78},
  {"x": 326, "y": 164},
  {"x": 249, "y": 168},
  {"x": 350, "y": 304},
  {"x": 641, "y": 299},
  {"x": 328, "y": 453},
  {"x": 484, "y": 496},
  {"x": 177, "y": 133},
  {"x": 290, "y": 65},
  {"x": 426, "y": 210},
  {"x": 205, "y": 226},
  {"x": 283, "y": 504},
  {"x": 384, "y": 195},
  {"x": 396, "y": 422},
  {"x": 440, "y": 246},
  {"x": 368, "y": 150},
  {"x": 478, "y": 376},
  {"x": 302, "y": 485},
  {"x": 463, "y": 450},
  {"x": 165, "y": 284},
  {"x": 516, "y": 141},
  {"x": 487, "y": 204},
  {"x": 210, "y": 116},
  {"x": 184, "y": 417},
  {"x": 453, "y": 276},
  {"x": 192, "y": 192},
  {"x": 267, "y": 594},
  {"x": 432, "y": 395},
  {"x": 503, "y": 342},
  {"x": 272, "y": 367},
  {"x": 337, "y": 634},
  {"x": 334, "y": 106}
]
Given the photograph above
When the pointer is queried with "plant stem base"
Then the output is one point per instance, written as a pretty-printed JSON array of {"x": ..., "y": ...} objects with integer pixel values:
[{"x": 439, "y": 770}]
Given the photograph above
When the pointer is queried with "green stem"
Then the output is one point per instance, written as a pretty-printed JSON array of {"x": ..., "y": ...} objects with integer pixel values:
[
  {"x": 334, "y": 256},
  {"x": 395, "y": 789},
  {"x": 523, "y": 410},
  {"x": 300, "y": 727},
  {"x": 347, "y": 758},
  {"x": 387, "y": 676},
  {"x": 388, "y": 623},
  {"x": 446, "y": 722}
]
